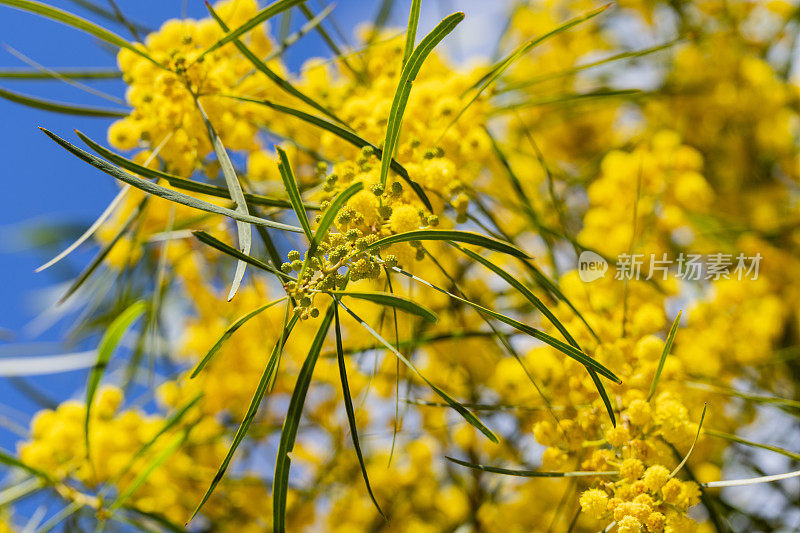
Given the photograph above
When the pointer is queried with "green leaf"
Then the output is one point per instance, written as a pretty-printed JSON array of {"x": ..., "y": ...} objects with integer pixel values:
[
  {"x": 564, "y": 348},
  {"x": 168, "y": 424},
  {"x": 280, "y": 483},
  {"x": 398, "y": 302},
  {"x": 239, "y": 322},
  {"x": 407, "y": 77},
  {"x": 266, "y": 13},
  {"x": 519, "y": 286},
  {"x": 467, "y": 237},
  {"x": 497, "y": 70},
  {"x": 691, "y": 448},
  {"x": 528, "y": 473},
  {"x": 348, "y": 405},
  {"x": 411, "y": 32},
  {"x": 12, "y": 461},
  {"x": 106, "y": 348},
  {"x": 205, "y": 238},
  {"x": 292, "y": 190},
  {"x": 182, "y": 183},
  {"x": 458, "y": 407},
  {"x": 346, "y": 135},
  {"x": 664, "y": 354},
  {"x": 59, "y": 107},
  {"x": 89, "y": 231},
  {"x": 77, "y": 22},
  {"x": 268, "y": 72},
  {"x": 163, "y": 192},
  {"x": 733, "y": 438},
  {"x": 72, "y": 74},
  {"x": 252, "y": 410},
  {"x": 243, "y": 230},
  {"x": 157, "y": 461}
]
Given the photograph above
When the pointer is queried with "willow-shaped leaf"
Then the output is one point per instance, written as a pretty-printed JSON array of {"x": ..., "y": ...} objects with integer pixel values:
[
  {"x": 734, "y": 438},
  {"x": 212, "y": 241},
  {"x": 182, "y": 183},
  {"x": 564, "y": 348},
  {"x": 455, "y": 405},
  {"x": 411, "y": 31},
  {"x": 397, "y": 302},
  {"x": 514, "y": 282},
  {"x": 348, "y": 405},
  {"x": 348, "y": 136},
  {"x": 252, "y": 410},
  {"x": 237, "y": 195},
  {"x": 750, "y": 481},
  {"x": 71, "y": 74},
  {"x": 79, "y": 23},
  {"x": 691, "y": 448},
  {"x": 407, "y": 77},
  {"x": 10, "y": 460},
  {"x": 168, "y": 424},
  {"x": 529, "y": 473},
  {"x": 280, "y": 483},
  {"x": 287, "y": 40},
  {"x": 263, "y": 15},
  {"x": 230, "y": 331},
  {"x": 89, "y": 231},
  {"x": 59, "y": 107},
  {"x": 163, "y": 192},
  {"x": 497, "y": 70},
  {"x": 293, "y": 191},
  {"x": 268, "y": 72},
  {"x": 157, "y": 461},
  {"x": 467, "y": 237},
  {"x": 107, "y": 346},
  {"x": 664, "y": 354}
]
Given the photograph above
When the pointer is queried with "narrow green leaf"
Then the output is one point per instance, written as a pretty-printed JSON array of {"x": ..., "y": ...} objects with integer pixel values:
[
  {"x": 751, "y": 481},
  {"x": 529, "y": 473},
  {"x": 280, "y": 483},
  {"x": 169, "y": 423},
  {"x": 346, "y": 135},
  {"x": 407, "y": 77},
  {"x": 252, "y": 410},
  {"x": 205, "y": 238},
  {"x": 72, "y": 74},
  {"x": 243, "y": 230},
  {"x": 522, "y": 289},
  {"x": 664, "y": 354},
  {"x": 467, "y": 237},
  {"x": 734, "y": 438},
  {"x": 268, "y": 72},
  {"x": 293, "y": 191},
  {"x": 348, "y": 405},
  {"x": 497, "y": 70},
  {"x": 288, "y": 40},
  {"x": 455, "y": 405},
  {"x": 77, "y": 22},
  {"x": 564, "y": 348},
  {"x": 60, "y": 516},
  {"x": 239, "y": 322},
  {"x": 182, "y": 183},
  {"x": 263, "y": 15},
  {"x": 391, "y": 300},
  {"x": 337, "y": 53},
  {"x": 691, "y": 448},
  {"x": 106, "y": 348},
  {"x": 12, "y": 461},
  {"x": 59, "y": 107},
  {"x": 157, "y": 461},
  {"x": 163, "y": 192},
  {"x": 411, "y": 31}
]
